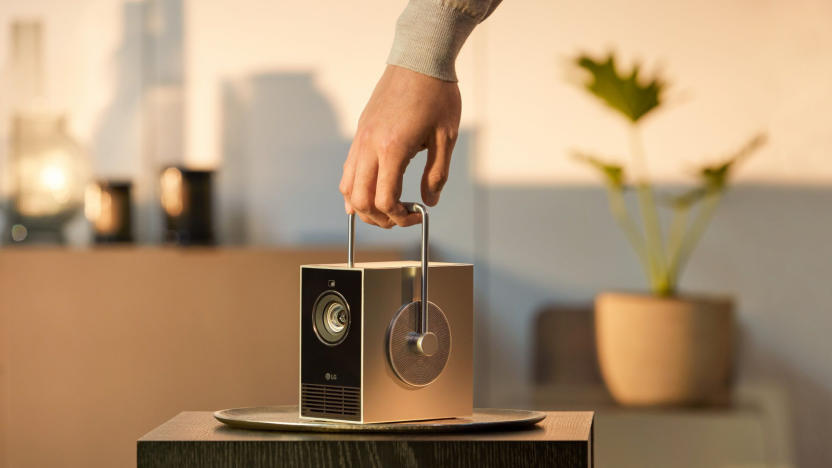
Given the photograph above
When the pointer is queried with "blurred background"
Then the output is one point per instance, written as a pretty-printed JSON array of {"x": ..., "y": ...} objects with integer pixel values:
[{"x": 111, "y": 326}]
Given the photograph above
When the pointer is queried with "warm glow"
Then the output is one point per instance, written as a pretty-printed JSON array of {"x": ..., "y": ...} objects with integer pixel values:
[
  {"x": 108, "y": 220},
  {"x": 172, "y": 197},
  {"x": 46, "y": 184},
  {"x": 100, "y": 210},
  {"x": 53, "y": 179},
  {"x": 92, "y": 202}
]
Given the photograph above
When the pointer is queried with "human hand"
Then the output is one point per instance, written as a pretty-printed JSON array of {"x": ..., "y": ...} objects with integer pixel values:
[{"x": 407, "y": 112}]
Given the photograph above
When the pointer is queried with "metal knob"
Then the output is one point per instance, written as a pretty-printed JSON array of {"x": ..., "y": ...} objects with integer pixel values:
[{"x": 426, "y": 344}]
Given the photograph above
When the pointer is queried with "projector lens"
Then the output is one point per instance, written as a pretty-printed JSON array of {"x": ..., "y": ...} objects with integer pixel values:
[
  {"x": 331, "y": 318},
  {"x": 335, "y": 318}
]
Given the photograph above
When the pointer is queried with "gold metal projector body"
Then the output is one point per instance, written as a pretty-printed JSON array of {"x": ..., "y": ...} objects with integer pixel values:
[{"x": 367, "y": 352}]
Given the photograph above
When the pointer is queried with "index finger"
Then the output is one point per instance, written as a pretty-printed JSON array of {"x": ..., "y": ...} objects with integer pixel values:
[
  {"x": 347, "y": 178},
  {"x": 389, "y": 191}
]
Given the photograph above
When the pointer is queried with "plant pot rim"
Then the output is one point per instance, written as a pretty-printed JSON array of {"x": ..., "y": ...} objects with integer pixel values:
[{"x": 701, "y": 298}]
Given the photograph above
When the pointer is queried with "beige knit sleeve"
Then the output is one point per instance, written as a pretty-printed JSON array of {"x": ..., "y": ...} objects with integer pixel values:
[{"x": 430, "y": 33}]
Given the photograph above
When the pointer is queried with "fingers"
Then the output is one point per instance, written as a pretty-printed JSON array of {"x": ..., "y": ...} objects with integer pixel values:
[
  {"x": 345, "y": 186},
  {"x": 389, "y": 189},
  {"x": 372, "y": 184},
  {"x": 437, "y": 167},
  {"x": 363, "y": 194},
  {"x": 358, "y": 184}
]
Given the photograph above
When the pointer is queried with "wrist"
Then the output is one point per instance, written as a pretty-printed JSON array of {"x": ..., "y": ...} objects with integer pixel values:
[{"x": 429, "y": 36}]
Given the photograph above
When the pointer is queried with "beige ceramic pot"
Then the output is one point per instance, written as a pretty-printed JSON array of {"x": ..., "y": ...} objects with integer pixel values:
[{"x": 665, "y": 351}]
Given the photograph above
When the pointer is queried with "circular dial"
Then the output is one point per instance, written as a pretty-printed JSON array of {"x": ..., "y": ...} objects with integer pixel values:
[{"x": 417, "y": 360}]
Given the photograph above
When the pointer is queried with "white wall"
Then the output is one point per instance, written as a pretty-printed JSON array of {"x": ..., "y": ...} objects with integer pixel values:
[{"x": 735, "y": 68}]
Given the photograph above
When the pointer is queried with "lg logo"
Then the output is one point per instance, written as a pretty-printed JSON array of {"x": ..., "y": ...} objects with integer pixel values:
[{"x": 329, "y": 376}]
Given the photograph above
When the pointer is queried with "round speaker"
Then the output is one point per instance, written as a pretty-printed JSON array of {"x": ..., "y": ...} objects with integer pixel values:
[
  {"x": 331, "y": 318},
  {"x": 411, "y": 366}
]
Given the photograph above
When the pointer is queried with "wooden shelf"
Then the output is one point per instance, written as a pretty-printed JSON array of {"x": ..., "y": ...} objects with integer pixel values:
[
  {"x": 196, "y": 439},
  {"x": 99, "y": 345}
]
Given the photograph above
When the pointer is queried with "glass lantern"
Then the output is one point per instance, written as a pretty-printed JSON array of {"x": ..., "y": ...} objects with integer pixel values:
[{"x": 48, "y": 178}]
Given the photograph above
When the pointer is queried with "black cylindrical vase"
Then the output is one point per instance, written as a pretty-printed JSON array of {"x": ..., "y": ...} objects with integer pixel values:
[
  {"x": 187, "y": 202},
  {"x": 107, "y": 206}
]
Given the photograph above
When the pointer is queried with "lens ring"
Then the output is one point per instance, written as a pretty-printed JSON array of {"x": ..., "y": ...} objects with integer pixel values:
[
  {"x": 334, "y": 318},
  {"x": 331, "y": 318}
]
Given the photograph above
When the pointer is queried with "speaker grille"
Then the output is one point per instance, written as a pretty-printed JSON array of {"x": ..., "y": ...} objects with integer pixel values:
[
  {"x": 412, "y": 368},
  {"x": 330, "y": 401}
]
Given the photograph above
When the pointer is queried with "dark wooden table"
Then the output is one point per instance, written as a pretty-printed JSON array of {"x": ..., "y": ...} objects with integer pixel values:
[{"x": 195, "y": 438}]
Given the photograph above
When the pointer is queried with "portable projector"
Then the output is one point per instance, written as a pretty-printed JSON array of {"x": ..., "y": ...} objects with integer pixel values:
[{"x": 374, "y": 349}]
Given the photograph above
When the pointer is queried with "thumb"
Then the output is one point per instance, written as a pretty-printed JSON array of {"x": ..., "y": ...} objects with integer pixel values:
[{"x": 436, "y": 168}]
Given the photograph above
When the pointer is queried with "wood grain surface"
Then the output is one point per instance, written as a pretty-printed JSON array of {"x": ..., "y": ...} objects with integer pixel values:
[{"x": 563, "y": 439}]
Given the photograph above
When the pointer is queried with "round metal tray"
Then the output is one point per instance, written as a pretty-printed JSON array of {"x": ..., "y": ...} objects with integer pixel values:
[{"x": 285, "y": 418}]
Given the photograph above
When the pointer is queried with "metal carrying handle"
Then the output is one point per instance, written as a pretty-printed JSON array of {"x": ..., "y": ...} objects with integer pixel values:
[{"x": 411, "y": 208}]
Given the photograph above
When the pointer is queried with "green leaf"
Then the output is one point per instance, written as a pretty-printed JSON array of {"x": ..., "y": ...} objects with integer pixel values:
[
  {"x": 715, "y": 177},
  {"x": 613, "y": 173},
  {"x": 622, "y": 92}
]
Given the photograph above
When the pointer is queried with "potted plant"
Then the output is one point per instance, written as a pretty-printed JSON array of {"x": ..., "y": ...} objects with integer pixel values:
[{"x": 659, "y": 347}]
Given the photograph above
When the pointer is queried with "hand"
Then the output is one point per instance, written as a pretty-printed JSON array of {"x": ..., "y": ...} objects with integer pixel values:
[{"x": 408, "y": 112}]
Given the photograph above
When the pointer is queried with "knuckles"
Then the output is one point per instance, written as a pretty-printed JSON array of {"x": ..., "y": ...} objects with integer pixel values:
[
  {"x": 390, "y": 148},
  {"x": 364, "y": 133},
  {"x": 447, "y": 137},
  {"x": 361, "y": 203},
  {"x": 386, "y": 205}
]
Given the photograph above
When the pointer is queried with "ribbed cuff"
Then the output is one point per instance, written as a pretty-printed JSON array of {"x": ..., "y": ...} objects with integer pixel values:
[{"x": 428, "y": 38}]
